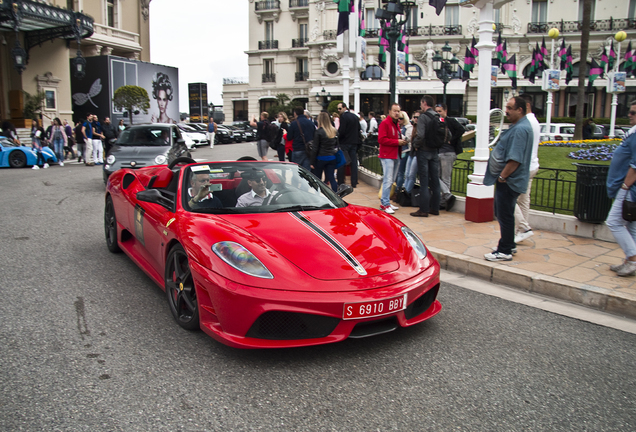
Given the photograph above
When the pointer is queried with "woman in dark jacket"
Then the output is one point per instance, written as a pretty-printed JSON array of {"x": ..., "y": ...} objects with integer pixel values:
[
  {"x": 282, "y": 134},
  {"x": 588, "y": 129},
  {"x": 323, "y": 152}
]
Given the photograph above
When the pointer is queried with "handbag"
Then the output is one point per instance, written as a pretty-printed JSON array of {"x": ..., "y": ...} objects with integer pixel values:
[
  {"x": 629, "y": 211},
  {"x": 308, "y": 144}
]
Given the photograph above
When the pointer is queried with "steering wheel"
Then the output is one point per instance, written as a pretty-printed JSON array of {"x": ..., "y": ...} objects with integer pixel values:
[
  {"x": 179, "y": 160},
  {"x": 281, "y": 192}
]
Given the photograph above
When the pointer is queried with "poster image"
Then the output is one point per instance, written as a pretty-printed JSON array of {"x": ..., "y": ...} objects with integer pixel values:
[
  {"x": 401, "y": 64},
  {"x": 493, "y": 76}
]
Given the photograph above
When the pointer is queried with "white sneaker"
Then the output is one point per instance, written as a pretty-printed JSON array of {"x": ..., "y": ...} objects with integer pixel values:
[
  {"x": 629, "y": 269},
  {"x": 523, "y": 236},
  {"x": 387, "y": 209},
  {"x": 35, "y": 167},
  {"x": 45, "y": 165},
  {"x": 498, "y": 256},
  {"x": 394, "y": 207},
  {"x": 512, "y": 251},
  {"x": 617, "y": 267},
  {"x": 61, "y": 164}
]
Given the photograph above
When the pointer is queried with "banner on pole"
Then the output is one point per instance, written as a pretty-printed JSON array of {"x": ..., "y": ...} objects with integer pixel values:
[{"x": 551, "y": 79}]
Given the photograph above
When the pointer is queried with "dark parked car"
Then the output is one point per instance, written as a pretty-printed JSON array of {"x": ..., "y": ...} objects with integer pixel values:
[
  {"x": 618, "y": 132},
  {"x": 223, "y": 135},
  {"x": 140, "y": 146}
]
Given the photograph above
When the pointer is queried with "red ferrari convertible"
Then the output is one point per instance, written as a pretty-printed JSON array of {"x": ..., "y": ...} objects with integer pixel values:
[{"x": 264, "y": 255}]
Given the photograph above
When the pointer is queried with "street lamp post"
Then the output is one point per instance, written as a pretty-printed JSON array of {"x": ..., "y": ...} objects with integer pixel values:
[
  {"x": 389, "y": 23},
  {"x": 444, "y": 65},
  {"x": 323, "y": 98}
]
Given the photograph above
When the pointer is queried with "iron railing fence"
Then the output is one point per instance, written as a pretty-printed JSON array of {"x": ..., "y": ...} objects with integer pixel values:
[
  {"x": 553, "y": 190},
  {"x": 611, "y": 24},
  {"x": 267, "y": 5}
]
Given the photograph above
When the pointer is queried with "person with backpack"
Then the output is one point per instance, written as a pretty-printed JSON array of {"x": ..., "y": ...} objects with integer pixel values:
[
  {"x": 390, "y": 139},
  {"x": 262, "y": 137},
  {"x": 430, "y": 137}
]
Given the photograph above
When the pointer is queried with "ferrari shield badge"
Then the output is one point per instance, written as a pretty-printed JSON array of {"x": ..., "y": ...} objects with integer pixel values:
[{"x": 139, "y": 223}]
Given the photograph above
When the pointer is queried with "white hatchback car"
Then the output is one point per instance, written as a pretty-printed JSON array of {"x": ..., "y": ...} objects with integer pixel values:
[{"x": 557, "y": 132}]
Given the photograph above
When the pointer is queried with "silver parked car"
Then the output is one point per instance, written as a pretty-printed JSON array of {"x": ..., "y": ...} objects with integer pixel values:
[{"x": 144, "y": 145}]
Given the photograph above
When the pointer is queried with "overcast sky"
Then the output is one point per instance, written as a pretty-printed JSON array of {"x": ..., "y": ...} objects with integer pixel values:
[{"x": 205, "y": 39}]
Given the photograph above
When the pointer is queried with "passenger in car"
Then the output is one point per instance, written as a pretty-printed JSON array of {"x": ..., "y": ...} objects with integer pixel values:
[
  {"x": 257, "y": 181},
  {"x": 199, "y": 192}
]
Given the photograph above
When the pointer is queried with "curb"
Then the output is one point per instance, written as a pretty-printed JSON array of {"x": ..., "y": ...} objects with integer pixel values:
[{"x": 603, "y": 299}]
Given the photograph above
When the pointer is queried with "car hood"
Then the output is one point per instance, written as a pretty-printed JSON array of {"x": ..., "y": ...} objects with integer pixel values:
[{"x": 141, "y": 152}]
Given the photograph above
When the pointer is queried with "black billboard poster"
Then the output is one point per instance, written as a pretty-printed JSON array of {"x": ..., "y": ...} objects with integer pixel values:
[
  {"x": 198, "y": 101},
  {"x": 105, "y": 74}
]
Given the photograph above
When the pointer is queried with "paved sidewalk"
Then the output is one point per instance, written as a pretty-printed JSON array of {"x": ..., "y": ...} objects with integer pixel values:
[{"x": 562, "y": 266}]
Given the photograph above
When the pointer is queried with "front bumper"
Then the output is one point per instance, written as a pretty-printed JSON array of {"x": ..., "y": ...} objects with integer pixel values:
[{"x": 250, "y": 317}]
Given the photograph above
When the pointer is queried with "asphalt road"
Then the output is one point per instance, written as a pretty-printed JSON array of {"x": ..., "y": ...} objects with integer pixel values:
[{"x": 87, "y": 343}]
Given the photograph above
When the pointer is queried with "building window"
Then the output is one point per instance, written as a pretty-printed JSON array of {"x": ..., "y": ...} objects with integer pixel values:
[
  {"x": 303, "y": 32},
  {"x": 497, "y": 13},
  {"x": 302, "y": 69},
  {"x": 592, "y": 10},
  {"x": 268, "y": 67},
  {"x": 332, "y": 68},
  {"x": 539, "y": 11},
  {"x": 372, "y": 73},
  {"x": 49, "y": 99},
  {"x": 452, "y": 15},
  {"x": 110, "y": 13},
  {"x": 371, "y": 22},
  {"x": 70, "y": 5},
  {"x": 122, "y": 73},
  {"x": 631, "y": 12},
  {"x": 412, "y": 22},
  {"x": 269, "y": 30}
]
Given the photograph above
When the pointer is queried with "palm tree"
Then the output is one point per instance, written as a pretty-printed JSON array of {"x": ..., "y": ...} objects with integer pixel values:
[{"x": 580, "y": 94}]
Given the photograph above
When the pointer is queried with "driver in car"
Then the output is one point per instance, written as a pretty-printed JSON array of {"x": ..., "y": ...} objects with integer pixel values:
[
  {"x": 199, "y": 192},
  {"x": 257, "y": 180}
]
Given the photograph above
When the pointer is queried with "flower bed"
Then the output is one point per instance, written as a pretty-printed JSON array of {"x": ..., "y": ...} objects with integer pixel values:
[{"x": 590, "y": 150}]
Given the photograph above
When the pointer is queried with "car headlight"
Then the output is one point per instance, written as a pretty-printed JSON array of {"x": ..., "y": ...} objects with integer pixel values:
[
  {"x": 241, "y": 259},
  {"x": 415, "y": 242},
  {"x": 223, "y": 132},
  {"x": 110, "y": 159},
  {"x": 160, "y": 160}
]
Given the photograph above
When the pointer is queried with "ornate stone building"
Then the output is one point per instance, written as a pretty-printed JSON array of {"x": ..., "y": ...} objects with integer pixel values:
[
  {"x": 49, "y": 32},
  {"x": 292, "y": 50}
]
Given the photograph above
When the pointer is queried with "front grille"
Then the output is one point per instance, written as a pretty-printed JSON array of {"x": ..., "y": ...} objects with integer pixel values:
[
  {"x": 422, "y": 304},
  {"x": 278, "y": 325},
  {"x": 372, "y": 328}
]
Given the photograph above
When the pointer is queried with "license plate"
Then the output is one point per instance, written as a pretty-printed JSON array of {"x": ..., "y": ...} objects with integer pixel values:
[{"x": 374, "y": 308}]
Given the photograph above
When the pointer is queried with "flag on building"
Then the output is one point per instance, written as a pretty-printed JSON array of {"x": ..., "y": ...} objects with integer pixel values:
[
  {"x": 510, "y": 67},
  {"x": 569, "y": 66},
  {"x": 596, "y": 71},
  {"x": 345, "y": 7},
  {"x": 544, "y": 49},
  {"x": 532, "y": 69},
  {"x": 539, "y": 56},
  {"x": 604, "y": 59},
  {"x": 498, "y": 48},
  {"x": 563, "y": 54},
  {"x": 611, "y": 58},
  {"x": 469, "y": 64},
  {"x": 473, "y": 48},
  {"x": 503, "y": 56},
  {"x": 362, "y": 31},
  {"x": 438, "y": 5},
  {"x": 629, "y": 61}
]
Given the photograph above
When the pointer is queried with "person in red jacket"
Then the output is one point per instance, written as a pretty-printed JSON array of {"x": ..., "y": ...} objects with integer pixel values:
[{"x": 390, "y": 139}]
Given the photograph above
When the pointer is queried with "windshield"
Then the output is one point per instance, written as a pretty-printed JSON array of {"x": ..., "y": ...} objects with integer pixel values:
[
  {"x": 567, "y": 130},
  {"x": 187, "y": 128},
  {"x": 145, "y": 136},
  {"x": 255, "y": 187}
]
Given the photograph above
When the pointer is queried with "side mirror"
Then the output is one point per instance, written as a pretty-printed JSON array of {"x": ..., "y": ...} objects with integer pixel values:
[
  {"x": 344, "y": 190},
  {"x": 181, "y": 142},
  {"x": 154, "y": 196}
]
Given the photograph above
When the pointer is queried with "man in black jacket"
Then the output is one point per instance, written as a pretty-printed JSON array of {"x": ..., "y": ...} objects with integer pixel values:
[
  {"x": 448, "y": 154},
  {"x": 349, "y": 138},
  {"x": 110, "y": 132}
]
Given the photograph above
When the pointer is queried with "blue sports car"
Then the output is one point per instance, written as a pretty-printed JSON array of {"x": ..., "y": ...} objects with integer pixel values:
[{"x": 14, "y": 156}]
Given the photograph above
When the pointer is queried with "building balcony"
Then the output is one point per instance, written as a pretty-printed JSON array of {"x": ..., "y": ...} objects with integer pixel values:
[
  {"x": 300, "y": 43},
  {"x": 267, "y": 9},
  {"x": 267, "y": 44},
  {"x": 302, "y": 76},
  {"x": 430, "y": 30},
  {"x": 107, "y": 39},
  {"x": 299, "y": 9},
  {"x": 269, "y": 78},
  {"x": 608, "y": 25}
]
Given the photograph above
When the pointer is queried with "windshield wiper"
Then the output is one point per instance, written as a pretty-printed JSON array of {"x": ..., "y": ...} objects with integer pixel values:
[{"x": 301, "y": 208}]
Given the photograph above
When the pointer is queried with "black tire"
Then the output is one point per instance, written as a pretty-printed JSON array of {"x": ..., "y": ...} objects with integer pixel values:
[
  {"x": 180, "y": 290},
  {"x": 17, "y": 159},
  {"x": 110, "y": 226}
]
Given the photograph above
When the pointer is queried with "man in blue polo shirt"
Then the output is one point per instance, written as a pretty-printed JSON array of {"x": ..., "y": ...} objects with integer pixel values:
[
  {"x": 211, "y": 132},
  {"x": 87, "y": 131},
  {"x": 509, "y": 169}
]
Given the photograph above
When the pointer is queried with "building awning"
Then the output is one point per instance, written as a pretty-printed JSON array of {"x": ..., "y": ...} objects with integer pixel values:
[
  {"x": 42, "y": 22},
  {"x": 403, "y": 87}
]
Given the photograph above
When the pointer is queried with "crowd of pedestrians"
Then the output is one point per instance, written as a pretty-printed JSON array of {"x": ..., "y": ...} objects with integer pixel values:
[{"x": 92, "y": 138}]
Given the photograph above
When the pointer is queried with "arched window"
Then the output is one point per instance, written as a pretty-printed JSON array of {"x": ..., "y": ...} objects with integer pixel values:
[{"x": 372, "y": 72}]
